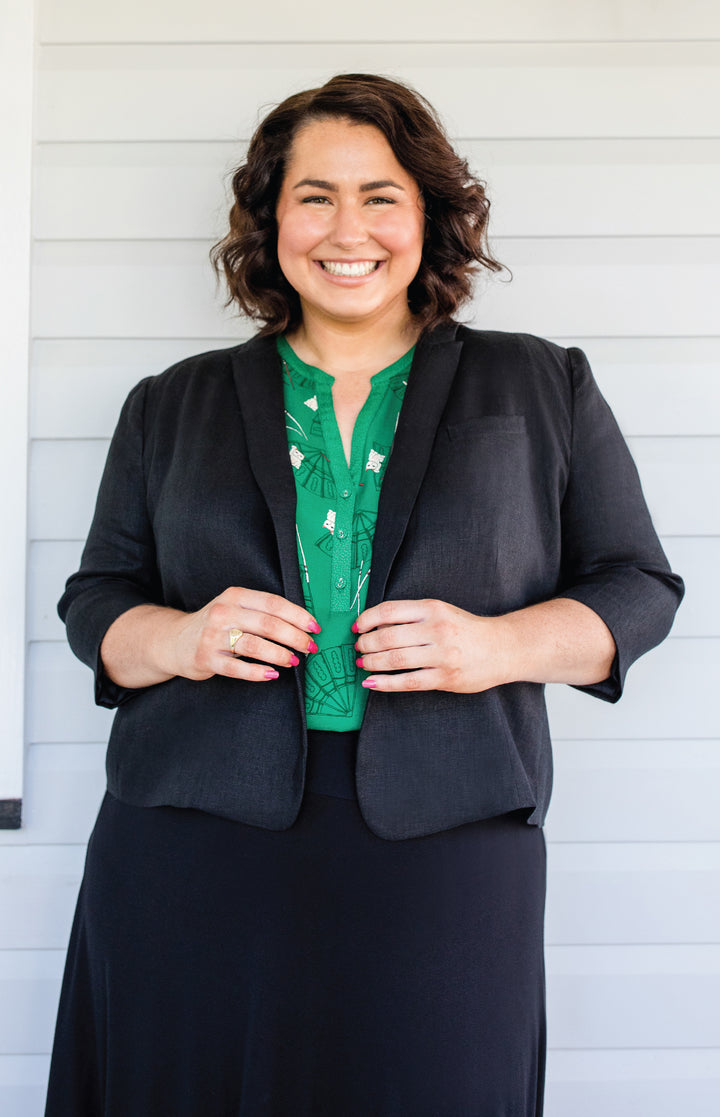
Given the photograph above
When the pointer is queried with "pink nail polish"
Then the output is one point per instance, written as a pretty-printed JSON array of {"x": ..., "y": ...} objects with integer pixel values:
[
  {"x": 354, "y": 626},
  {"x": 314, "y": 627},
  {"x": 312, "y": 646},
  {"x": 370, "y": 684},
  {"x": 359, "y": 662},
  {"x": 271, "y": 674},
  {"x": 294, "y": 660}
]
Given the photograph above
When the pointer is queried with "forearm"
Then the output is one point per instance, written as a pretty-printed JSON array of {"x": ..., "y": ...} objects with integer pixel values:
[
  {"x": 136, "y": 648},
  {"x": 557, "y": 641}
]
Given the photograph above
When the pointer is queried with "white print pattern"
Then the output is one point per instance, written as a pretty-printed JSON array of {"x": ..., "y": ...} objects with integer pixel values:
[
  {"x": 294, "y": 426},
  {"x": 296, "y": 457},
  {"x": 374, "y": 461},
  {"x": 312, "y": 403},
  {"x": 330, "y": 521}
]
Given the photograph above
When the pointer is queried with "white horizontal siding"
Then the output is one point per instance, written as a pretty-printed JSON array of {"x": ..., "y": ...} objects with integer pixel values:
[
  {"x": 604, "y": 188},
  {"x": 212, "y": 92},
  {"x": 217, "y": 21}
]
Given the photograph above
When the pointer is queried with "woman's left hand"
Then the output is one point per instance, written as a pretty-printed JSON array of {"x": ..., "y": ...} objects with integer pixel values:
[{"x": 433, "y": 646}]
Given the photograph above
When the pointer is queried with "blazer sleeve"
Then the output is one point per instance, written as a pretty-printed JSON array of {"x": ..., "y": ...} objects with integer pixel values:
[
  {"x": 118, "y": 569},
  {"x": 612, "y": 560}
]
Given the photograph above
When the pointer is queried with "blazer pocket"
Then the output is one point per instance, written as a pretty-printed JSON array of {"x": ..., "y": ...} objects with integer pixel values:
[{"x": 483, "y": 425}]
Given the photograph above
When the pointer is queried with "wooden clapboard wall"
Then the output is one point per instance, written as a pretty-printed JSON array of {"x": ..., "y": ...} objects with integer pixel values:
[{"x": 596, "y": 127}]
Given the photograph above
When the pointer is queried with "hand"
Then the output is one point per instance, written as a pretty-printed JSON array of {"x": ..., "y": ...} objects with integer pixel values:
[
  {"x": 273, "y": 629},
  {"x": 150, "y": 644},
  {"x": 434, "y": 645}
]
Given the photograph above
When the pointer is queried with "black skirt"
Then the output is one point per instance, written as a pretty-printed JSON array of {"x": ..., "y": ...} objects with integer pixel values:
[{"x": 222, "y": 970}]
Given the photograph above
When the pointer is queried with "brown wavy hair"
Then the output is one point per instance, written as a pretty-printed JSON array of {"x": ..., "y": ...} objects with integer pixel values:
[{"x": 456, "y": 206}]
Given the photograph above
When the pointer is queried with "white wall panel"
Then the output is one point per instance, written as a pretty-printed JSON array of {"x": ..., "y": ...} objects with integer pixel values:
[
  {"x": 29, "y": 988},
  {"x": 636, "y": 791},
  {"x": 65, "y": 784},
  {"x": 64, "y": 479},
  {"x": 697, "y": 561},
  {"x": 664, "y": 1083},
  {"x": 49, "y": 564},
  {"x": 538, "y": 188},
  {"x": 670, "y": 692},
  {"x": 213, "y": 92},
  {"x": 218, "y": 21},
  {"x": 22, "y": 1085},
  {"x": 39, "y": 888},
  {"x": 60, "y": 698},
  {"x": 79, "y": 395},
  {"x": 633, "y": 892}
]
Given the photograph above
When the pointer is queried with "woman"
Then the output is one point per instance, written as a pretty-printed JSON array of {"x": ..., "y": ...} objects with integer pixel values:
[{"x": 329, "y": 573}]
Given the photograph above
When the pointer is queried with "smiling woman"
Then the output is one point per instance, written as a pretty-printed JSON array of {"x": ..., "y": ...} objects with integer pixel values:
[{"x": 329, "y": 572}]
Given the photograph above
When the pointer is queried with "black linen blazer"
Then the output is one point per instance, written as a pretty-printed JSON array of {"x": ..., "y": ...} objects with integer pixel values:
[{"x": 509, "y": 483}]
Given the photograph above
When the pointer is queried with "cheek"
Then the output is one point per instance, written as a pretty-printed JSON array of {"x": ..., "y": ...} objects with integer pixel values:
[{"x": 403, "y": 235}]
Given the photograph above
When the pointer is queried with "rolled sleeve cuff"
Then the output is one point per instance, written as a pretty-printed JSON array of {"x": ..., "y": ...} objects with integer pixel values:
[
  {"x": 88, "y": 617},
  {"x": 638, "y": 607}
]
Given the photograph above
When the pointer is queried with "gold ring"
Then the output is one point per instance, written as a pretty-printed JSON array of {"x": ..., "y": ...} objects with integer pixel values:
[{"x": 235, "y": 634}]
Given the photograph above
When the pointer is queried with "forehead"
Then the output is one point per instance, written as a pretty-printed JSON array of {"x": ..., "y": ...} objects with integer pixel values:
[{"x": 342, "y": 146}]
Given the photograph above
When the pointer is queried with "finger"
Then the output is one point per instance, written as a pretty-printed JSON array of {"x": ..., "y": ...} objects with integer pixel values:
[
  {"x": 427, "y": 679},
  {"x": 273, "y": 605},
  {"x": 265, "y": 627},
  {"x": 222, "y": 618},
  {"x": 233, "y": 668},
  {"x": 392, "y": 612},
  {"x": 409, "y": 635},
  {"x": 399, "y": 659},
  {"x": 249, "y": 646}
]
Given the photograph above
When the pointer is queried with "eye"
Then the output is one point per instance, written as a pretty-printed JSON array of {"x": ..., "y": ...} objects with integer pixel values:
[
  {"x": 314, "y": 199},
  {"x": 381, "y": 201}
]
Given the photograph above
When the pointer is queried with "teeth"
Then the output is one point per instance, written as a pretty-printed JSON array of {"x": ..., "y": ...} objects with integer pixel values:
[{"x": 352, "y": 270}]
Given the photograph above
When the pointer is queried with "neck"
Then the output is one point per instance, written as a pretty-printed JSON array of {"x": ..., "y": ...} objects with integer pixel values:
[{"x": 352, "y": 349}]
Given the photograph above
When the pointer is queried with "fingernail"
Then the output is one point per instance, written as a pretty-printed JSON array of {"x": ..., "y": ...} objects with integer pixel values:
[
  {"x": 359, "y": 662},
  {"x": 370, "y": 684},
  {"x": 294, "y": 660},
  {"x": 312, "y": 646},
  {"x": 354, "y": 626},
  {"x": 314, "y": 627},
  {"x": 355, "y": 645},
  {"x": 272, "y": 674}
]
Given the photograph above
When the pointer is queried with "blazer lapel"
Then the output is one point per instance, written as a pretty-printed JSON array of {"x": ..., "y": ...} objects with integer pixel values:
[
  {"x": 431, "y": 376},
  {"x": 258, "y": 382}
]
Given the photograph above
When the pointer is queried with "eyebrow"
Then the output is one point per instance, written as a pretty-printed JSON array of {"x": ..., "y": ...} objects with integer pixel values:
[{"x": 321, "y": 184}]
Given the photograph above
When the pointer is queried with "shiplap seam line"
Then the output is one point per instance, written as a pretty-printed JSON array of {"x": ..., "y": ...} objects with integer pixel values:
[
  {"x": 55, "y": 44},
  {"x": 497, "y": 239}
]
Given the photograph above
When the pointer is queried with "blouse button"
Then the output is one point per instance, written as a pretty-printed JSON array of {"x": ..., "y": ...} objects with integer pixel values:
[
  {"x": 345, "y": 493},
  {"x": 340, "y": 583},
  {"x": 341, "y": 534}
]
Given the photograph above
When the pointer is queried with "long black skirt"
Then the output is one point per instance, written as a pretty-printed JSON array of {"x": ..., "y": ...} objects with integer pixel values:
[{"x": 222, "y": 970}]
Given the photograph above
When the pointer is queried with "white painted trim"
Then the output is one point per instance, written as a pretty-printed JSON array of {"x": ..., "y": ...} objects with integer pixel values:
[{"x": 17, "y": 22}]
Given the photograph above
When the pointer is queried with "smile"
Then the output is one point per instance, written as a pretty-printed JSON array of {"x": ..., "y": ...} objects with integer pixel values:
[{"x": 353, "y": 271}]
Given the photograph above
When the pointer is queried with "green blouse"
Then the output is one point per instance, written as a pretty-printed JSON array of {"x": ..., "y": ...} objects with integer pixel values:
[{"x": 335, "y": 522}]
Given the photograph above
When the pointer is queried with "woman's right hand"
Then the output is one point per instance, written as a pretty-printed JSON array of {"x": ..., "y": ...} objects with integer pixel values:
[
  {"x": 272, "y": 630},
  {"x": 150, "y": 643}
]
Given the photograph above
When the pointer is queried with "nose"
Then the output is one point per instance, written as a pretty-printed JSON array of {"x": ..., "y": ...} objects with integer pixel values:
[{"x": 349, "y": 228}]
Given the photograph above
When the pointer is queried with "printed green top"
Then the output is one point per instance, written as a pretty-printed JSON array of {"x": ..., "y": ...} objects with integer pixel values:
[{"x": 335, "y": 522}]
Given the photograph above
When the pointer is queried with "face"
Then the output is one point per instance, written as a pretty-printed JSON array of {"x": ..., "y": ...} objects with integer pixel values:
[{"x": 350, "y": 225}]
